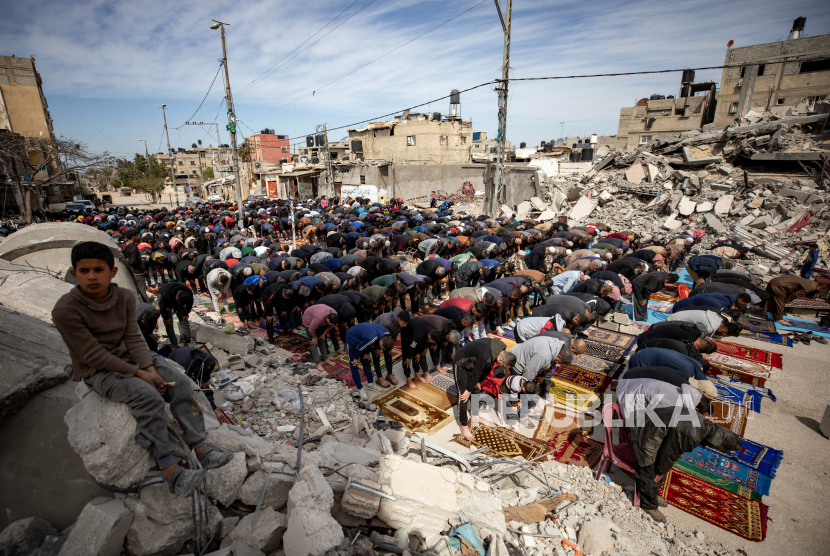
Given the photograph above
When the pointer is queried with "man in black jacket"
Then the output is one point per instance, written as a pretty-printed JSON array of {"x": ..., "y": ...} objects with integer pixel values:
[
  {"x": 471, "y": 365},
  {"x": 278, "y": 298},
  {"x": 643, "y": 286},
  {"x": 175, "y": 297},
  {"x": 136, "y": 262}
]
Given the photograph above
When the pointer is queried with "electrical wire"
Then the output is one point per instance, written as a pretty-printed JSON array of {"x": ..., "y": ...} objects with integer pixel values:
[
  {"x": 82, "y": 114},
  {"x": 372, "y": 61},
  {"x": 276, "y": 66},
  {"x": 206, "y": 95}
]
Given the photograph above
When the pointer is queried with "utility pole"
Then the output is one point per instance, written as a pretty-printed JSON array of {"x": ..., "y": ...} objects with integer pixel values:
[
  {"x": 329, "y": 174},
  {"x": 237, "y": 187},
  {"x": 146, "y": 151},
  {"x": 170, "y": 152},
  {"x": 502, "y": 89}
]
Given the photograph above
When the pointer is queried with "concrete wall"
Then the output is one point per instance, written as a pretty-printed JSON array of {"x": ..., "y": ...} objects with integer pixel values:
[
  {"x": 414, "y": 182},
  {"x": 781, "y": 78},
  {"x": 268, "y": 148},
  {"x": 671, "y": 115},
  {"x": 25, "y": 106},
  {"x": 428, "y": 147}
]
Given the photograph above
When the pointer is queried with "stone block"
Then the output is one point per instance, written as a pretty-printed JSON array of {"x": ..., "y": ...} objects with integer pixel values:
[
  {"x": 242, "y": 549},
  {"x": 398, "y": 439},
  {"x": 635, "y": 173},
  {"x": 575, "y": 193},
  {"x": 523, "y": 209},
  {"x": 686, "y": 206},
  {"x": 357, "y": 502},
  {"x": 311, "y": 528},
  {"x": 672, "y": 223},
  {"x": 653, "y": 172},
  {"x": 222, "y": 484},
  {"x": 349, "y": 453},
  {"x": 698, "y": 158},
  {"x": 538, "y": 203},
  {"x": 100, "y": 529},
  {"x": 275, "y": 494},
  {"x": 595, "y": 538},
  {"x": 266, "y": 536},
  {"x": 232, "y": 343},
  {"x": 704, "y": 207},
  {"x": 761, "y": 222},
  {"x": 582, "y": 209},
  {"x": 103, "y": 433},
  {"x": 234, "y": 438},
  {"x": 430, "y": 499},
  {"x": 163, "y": 522},
  {"x": 713, "y": 222},
  {"x": 25, "y": 536},
  {"x": 723, "y": 204}
]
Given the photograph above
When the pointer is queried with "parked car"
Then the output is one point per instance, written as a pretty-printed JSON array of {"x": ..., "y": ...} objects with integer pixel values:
[
  {"x": 126, "y": 191},
  {"x": 75, "y": 208},
  {"x": 87, "y": 203},
  {"x": 215, "y": 198},
  {"x": 254, "y": 198},
  {"x": 194, "y": 201},
  {"x": 106, "y": 199}
]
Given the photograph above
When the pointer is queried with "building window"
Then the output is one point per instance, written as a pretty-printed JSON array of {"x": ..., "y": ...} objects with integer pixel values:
[
  {"x": 463, "y": 139},
  {"x": 818, "y": 65},
  {"x": 743, "y": 70},
  {"x": 443, "y": 140},
  {"x": 761, "y": 69},
  {"x": 410, "y": 140},
  {"x": 192, "y": 163},
  {"x": 733, "y": 107},
  {"x": 780, "y": 101},
  {"x": 811, "y": 101},
  {"x": 283, "y": 160},
  {"x": 285, "y": 149},
  {"x": 645, "y": 139},
  {"x": 181, "y": 163},
  {"x": 477, "y": 145},
  {"x": 362, "y": 179}
]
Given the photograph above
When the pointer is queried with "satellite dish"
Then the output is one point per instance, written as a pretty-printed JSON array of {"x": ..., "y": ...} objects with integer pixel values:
[
  {"x": 559, "y": 142},
  {"x": 729, "y": 44}
]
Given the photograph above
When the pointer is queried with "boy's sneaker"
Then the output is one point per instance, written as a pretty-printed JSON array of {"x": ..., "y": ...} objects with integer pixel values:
[
  {"x": 185, "y": 481},
  {"x": 213, "y": 457}
]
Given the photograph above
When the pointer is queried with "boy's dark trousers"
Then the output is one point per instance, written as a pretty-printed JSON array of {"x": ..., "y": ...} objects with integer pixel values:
[{"x": 147, "y": 406}]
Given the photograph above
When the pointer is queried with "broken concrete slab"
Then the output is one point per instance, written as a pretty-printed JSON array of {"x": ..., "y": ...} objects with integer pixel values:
[
  {"x": 311, "y": 528},
  {"x": 761, "y": 222},
  {"x": 538, "y": 203},
  {"x": 653, "y": 172},
  {"x": 576, "y": 192},
  {"x": 25, "y": 536},
  {"x": 694, "y": 158},
  {"x": 523, "y": 209},
  {"x": 223, "y": 484},
  {"x": 724, "y": 204},
  {"x": 234, "y": 438},
  {"x": 430, "y": 499},
  {"x": 266, "y": 536},
  {"x": 686, "y": 206},
  {"x": 635, "y": 173},
  {"x": 30, "y": 293},
  {"x": 275, "y": 494},
  {"x": 349, "y": 453},
  {"x": 357, "y": 502},
  {"x": 672, "y": 223},
  {"x": 713, "y": 222},
  {"x": 582, "y": 209},
  {"x": 103, "y": 433},
  {"x": 595, "y": 538},
  {"x": 100, "y": 529},
  {"x": 232, "y": 343},
  {"x": 704, "y": 207}
]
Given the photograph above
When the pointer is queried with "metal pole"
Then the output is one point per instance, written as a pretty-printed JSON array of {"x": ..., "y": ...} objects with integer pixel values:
[
  {"x": 237, "y": 188},
  {"x": 146, "y": 151},
  {"x": 170, "y": 152},
  {"x": 502, "y": 135}
]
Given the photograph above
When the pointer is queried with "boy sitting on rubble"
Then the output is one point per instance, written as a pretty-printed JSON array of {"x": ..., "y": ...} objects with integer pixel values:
[{"x": 97, "y": 321}]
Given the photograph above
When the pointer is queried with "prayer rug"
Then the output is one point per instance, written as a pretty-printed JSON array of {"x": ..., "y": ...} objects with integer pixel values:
[
  {"x": 618, "y": 339},
  {"x": 728, "y": 363},
  {"x": 776, "y": 339},
  {"x": 713, "y": 479},
  {"x": 727, "y": 469},
  {"x": 595, "y": 365},
  {"x": 209, "y": 305},
  {"x": 641, "y": 327},
  {"x": 808, "y": 303},
  {"x": 751, "y": 400},
  {"x": 746, "y": 517},
  {"x": 292, "y": 343},
  {"x": 503, "y": 443},
  {"x": 761, "y": 458},
  {"x": 574, "y": 448},
  {"x": 556, "y": 421},
  {"x": 733, "y": 417},
  {"x": 601, "y": 350},
  {"x": 751, "y": 324},
  {"x": 342, "y": 371},
  {"x": 432, "y": 395},
  {"x": 572, "y": 396},
  {"x": 661, "y": 296},
  {"x": 751, "y": 354},
  {"x": 507, "y": 341},
  {"x": 413, "y": 413},
  {"x": 736, "y": 375},
  {"x": 445, "y": 383},
  {"x": 805, "y": 325},
  {"x": 661, "y": 306},
  {"x": 580, "y": 377}
]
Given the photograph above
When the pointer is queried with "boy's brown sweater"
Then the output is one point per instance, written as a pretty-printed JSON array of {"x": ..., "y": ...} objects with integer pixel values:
[{"x": 101, "y": 334}]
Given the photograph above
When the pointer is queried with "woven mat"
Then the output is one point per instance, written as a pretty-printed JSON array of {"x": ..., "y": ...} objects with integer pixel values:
[
  {"x": 716, "y": 480},
  {"x": 556, "y": 421},
  {"x": 611, "y": 337},
  {"x": 727, "y": 363},
  {"x": 749, "y": 399},
  {"x": 598, "y": 366},
  {"x": 446, "y": 383},
  {"x": 661, "y": 306},
  {"x": 503, "y": 443},
  {"x": 608, "y": 352},
  {"x": 662, "y": 296},
  {"x": 574, "y": 448},
  {"x": 776, "y": 339},
  {"x": 727, "y": 470},
  {"x": 572, "y": 396},
  {"x": 762, "y": 458},
  {"x": 413, "y": 413},
  {"x": 751, "y": 354},
  {"x": 341, "y": 370},
  {"x": 751, "y": 324},
  {"x": 805, "y": 325},
  {"x": 733, "y": 417},
  {"x": 284, "y": 341},
  {"x": 432, "y": 395},
  {"x": 744, "y": 517},
  {"x": 808, "y": 303},
  {"x": 595, "y": 382},
  {"x": 736, "y": 375}
]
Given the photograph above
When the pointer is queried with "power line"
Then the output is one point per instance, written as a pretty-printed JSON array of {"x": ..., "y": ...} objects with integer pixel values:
[
  {"x": 206, "y": 95},
  {"x": 373, "y": 61},
  {"x": 82, "y": 115},
  {"x": 268, "y": 72}
]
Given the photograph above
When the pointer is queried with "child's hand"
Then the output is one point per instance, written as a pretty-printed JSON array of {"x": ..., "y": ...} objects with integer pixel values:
[{"x": 151, "y": 377}]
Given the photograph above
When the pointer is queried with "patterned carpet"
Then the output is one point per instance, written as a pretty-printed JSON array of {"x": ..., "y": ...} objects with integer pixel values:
[{"x": 503, "y": 443}]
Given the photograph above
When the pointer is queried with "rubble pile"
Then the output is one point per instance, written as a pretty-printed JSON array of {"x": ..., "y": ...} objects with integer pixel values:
[{"x": 698, "y": 180}]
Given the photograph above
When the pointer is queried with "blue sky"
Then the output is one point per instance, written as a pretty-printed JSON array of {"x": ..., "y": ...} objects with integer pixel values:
[{"x": 107, "y": 66}]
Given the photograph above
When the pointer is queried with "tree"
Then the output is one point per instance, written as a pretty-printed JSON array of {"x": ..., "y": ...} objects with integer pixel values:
[
  {"x": 243, "y": 151},
  {"x": 207, "y": 173},
  {"x": 143, "y": 174}
]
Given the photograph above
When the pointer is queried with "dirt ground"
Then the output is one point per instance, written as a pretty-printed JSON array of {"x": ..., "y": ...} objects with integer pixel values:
[{"x": 798, "y": 508}]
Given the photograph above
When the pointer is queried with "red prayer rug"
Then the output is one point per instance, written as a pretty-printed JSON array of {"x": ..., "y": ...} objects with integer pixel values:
[
  {"x": 751, "y": 354},
  {"x": 574, "y": 448},
  {"x": 745, "y": 517}
]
